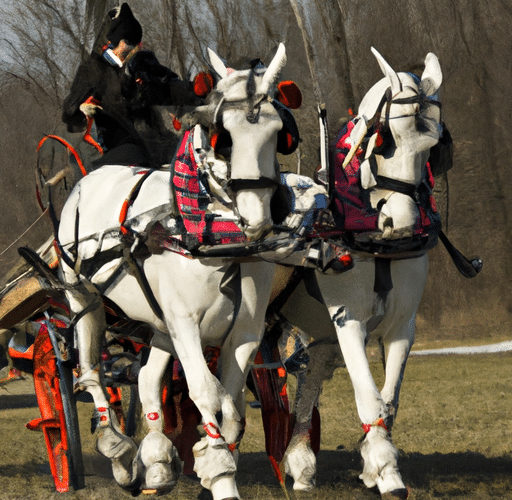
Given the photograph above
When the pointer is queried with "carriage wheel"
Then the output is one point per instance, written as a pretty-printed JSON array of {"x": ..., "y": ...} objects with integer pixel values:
[{"x": 53, "y": 382}]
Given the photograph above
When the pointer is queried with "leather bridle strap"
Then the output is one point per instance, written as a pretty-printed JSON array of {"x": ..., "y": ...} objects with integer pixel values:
[
  {"x": 395, "y": 185},
  {"x": 419, "y": 99},
  {"x": 261, "y": 183}
]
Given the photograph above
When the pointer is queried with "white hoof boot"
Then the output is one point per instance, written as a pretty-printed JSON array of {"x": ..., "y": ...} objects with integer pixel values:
[
  {"x": 224, "y": 488},
  {"x": 159, "y": 464},
  {"x": 381, "y": 464},
  {"x": 300, "y": 464},
  {"x": 212, "y": 462},
  {"x": 121, "y": 450},
  {"x": 400, "y": 494}
]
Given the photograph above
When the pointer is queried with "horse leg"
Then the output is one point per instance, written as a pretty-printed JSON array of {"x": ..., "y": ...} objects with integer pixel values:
[
  {"x": 300, "y": 458},
  {"x": 352, "y": 340},
  {"x": 86, "y": 305},
  {"x": 214, "y": 461},
  {"x": 239, "y": 350},
  {"x": 157, "y": 458},
  {"x": 309, "y": 315},
  {"x": 378, "y": 451},
  {"x": 404, "y": 302},
  {"x": 396, "y": 361},
  {"x": 379, "y": 454},
  {"x": 240, "y": 347},
  {"x": 401, "y": 308}
]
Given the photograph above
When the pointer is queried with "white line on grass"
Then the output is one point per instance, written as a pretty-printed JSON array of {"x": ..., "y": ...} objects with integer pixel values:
[{"x": 480, "y": 349}]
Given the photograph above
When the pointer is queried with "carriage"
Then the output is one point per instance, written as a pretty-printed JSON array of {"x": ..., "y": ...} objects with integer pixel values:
[{"x": 41, "y": 343}]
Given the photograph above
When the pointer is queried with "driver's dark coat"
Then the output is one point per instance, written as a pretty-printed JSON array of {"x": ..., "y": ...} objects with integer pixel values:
[{"x": 124, "y": 103}]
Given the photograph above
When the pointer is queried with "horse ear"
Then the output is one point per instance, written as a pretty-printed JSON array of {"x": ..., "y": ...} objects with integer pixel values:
[
  {"x": 389, "y": 72},
  {"x": 274, "y": 68},
  {"x": 289, "y": 94},
  {"x": 432, "y": 76},
  {"x": 217, "y": 64}
]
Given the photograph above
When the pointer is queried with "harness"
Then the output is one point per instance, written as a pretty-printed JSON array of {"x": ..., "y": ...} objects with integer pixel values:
[
  {"x": 351, "y": 206},
  {"x": 196, "y": 227},
  {"x": 355, "y": 217}
]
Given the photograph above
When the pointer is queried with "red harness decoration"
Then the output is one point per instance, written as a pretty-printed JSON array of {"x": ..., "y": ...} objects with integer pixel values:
[
  {"x": 71, "y": 149},
  {"x": 352, "y": 209},
  {"x": 378, "y": 423},
  {"x": 215, "y": 433},
  {"x": 128, "y": 202},
  {"x": 192, "y": 199}
]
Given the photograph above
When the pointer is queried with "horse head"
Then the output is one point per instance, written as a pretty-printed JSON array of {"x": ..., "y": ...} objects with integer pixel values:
[
  {"x": 403, "y": 113},
  {"x": 241, "y": 111}
]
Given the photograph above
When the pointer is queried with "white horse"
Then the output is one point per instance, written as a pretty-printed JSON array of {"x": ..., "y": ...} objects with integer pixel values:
[
  {"x": 408, "y": 114},
  {"x": 202, "y": 302}
]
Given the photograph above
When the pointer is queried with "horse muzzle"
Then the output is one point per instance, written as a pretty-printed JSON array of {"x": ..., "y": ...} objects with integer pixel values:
[
  {"x": 253, "y": 206},
  {"x": 398, "y": 216}
]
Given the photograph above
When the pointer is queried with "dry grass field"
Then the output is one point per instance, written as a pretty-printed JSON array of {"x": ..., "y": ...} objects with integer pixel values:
[{"x": 453, "y": 430}]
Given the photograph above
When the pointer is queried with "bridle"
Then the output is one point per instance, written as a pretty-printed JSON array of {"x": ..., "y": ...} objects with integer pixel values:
[
  {"x": 383, "y": 129},
  {"x": 252, "y": 104}
]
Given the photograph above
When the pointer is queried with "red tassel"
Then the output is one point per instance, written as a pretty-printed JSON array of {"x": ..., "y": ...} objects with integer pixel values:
[
  {"x": 203, "y": 84},
  {"x": 378, "y": 423},
  {"x": 289, "y": 94},
  {"x": 176, "y": 123},
  {"x": 213, "y": 140}
]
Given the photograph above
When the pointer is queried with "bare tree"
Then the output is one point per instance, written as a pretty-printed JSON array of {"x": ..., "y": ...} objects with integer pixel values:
[{"x": 46, "y": 40}]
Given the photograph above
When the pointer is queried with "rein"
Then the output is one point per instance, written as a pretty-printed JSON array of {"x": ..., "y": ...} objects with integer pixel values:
[{"x": 262, "y": 183}]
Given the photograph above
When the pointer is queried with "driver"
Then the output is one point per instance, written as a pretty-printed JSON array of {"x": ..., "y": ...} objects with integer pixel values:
[{"x": 116, "y": 86}]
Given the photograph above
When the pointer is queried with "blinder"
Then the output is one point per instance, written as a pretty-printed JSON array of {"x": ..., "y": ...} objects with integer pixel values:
[
  {"x": 385, "y": 141},
  {"x": 441, "y": 155},
  {"x": 288, "y": 137}
]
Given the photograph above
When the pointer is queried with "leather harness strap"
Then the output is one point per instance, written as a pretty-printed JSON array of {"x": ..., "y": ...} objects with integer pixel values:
[
  {"x": 261, "y": 183},
  {"x": 131, "y": 198},
  {"x": 396, "y": 185}
]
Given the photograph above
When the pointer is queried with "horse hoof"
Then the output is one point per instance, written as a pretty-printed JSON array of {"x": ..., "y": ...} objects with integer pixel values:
[
  {"x": 125, "y": 474},
  {"x": 160, "y": 479},
  {"x": 121, "y": 450},
  {"x": 400, "y": 494},
  {"x": 114, "y": 445},
  {"x": 303, "y": 486}
]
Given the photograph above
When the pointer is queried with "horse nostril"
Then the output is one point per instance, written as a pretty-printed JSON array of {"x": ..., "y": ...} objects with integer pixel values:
[{"x": 388, "y": 222}]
